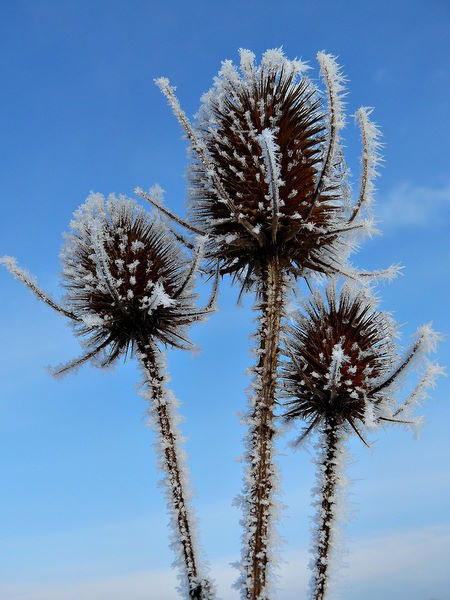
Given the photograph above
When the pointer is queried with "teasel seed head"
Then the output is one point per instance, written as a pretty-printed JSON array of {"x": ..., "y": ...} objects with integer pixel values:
[
  {"x": 343, "y": 365},
  {"x": 268, "y": 174},
  {"x": 126, "y": 278}
]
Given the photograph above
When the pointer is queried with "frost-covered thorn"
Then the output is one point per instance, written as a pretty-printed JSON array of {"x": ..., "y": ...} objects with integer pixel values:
[
  {"x": 140, "y": 192},
  {"x": 210, "y": 305},
  {"x": 426, "y": 342},
  {"x": 428, "y": 380},
  {"x": 365, "y": 277},
  {"x": 24, "y": 276},
  {"x": 193, "y": 268},
  {"x": 180, "y": 238},
  {"x": 334, "y": 82},
  {"x": 74, "y": 364},
  {"x": 370, "y": 158},
  {"x": 389, "y": 274}
]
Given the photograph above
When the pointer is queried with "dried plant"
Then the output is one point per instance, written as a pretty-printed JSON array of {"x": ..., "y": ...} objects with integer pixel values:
[
  {"x": 341, "y": 375},
  {"x": 129, "y": 287},
  {"x": 270, "y": 203},
  {"x": 269, "y": 190}
]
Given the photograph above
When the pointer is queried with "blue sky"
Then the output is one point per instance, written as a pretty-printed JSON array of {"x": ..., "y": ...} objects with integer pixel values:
[{"x": 81, "y": 516}]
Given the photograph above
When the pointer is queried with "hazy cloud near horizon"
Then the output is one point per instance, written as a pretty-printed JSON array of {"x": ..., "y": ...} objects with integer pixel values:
[
  {"x": 409, "y": 205},
  {"x": 402, "y": 564}
]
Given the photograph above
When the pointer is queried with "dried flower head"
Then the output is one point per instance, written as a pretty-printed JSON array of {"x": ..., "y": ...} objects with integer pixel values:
[
  {"x": 125, "y": 278},
  {"x": 343, "y": 365},
  {"x": 127, "y": 281},
  {"x": 263, "y": 131},
  {"x": 268, "y": 174}
]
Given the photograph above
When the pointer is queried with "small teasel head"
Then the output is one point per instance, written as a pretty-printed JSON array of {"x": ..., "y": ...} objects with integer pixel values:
[
  {"x": 343, "y": 366},
  {"x": 126, "y": 278}
]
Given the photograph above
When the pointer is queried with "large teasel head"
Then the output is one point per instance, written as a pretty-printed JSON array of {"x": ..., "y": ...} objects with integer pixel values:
[
  {"x": 268, "y": 174},
  {"x": 343, "y": 366},
  {"x": 127, "y": 280}
]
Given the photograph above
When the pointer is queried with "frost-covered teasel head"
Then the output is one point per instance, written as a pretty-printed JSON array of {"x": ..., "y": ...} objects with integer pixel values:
[
  {"x": 268, "y": 174},
  {"x": 129, "y": 285},
  {"x": 126, "y": 277},
  {"x": 343, "y": 365}
]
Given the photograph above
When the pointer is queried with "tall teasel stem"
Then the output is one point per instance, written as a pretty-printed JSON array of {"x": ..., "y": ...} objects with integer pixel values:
[
  {"x": 268, "y": 186},
  {"x": 162, "y": 410},
  {"x": 261, "y": 475},
  {"x": 329, "y": 476}
]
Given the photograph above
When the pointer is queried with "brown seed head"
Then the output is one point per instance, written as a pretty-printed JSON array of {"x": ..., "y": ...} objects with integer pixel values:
[
  {"x": 124, "y": 277},
  {"x": 266, "y": 133},
  {"x": 337, "y": 351}
]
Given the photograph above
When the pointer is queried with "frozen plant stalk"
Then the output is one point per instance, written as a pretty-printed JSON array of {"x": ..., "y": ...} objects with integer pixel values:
[
  {"x": 128, "y": 288},
  {"x": 268, "y": 187},
  {"x": 342, "y": 372}
]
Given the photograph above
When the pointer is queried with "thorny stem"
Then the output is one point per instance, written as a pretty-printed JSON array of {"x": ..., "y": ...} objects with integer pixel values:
[
  {"x": 261, "y": 436},
  {"x": 168, "y": 213},
  {"x": 327, "y": 510},
  {"x": 199, "y": 589}
]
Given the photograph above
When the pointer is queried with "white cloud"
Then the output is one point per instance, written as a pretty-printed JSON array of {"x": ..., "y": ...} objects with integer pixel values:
[
  {"x": 408, "y": 205},
  {"x": 411, "y": 560},
  {"x": 410, "y": 564}
]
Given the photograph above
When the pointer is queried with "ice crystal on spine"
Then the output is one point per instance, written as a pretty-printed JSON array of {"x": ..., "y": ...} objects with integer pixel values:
[
  {"x": 129, "y": 286},
  {"x": 341, "y": 372}
]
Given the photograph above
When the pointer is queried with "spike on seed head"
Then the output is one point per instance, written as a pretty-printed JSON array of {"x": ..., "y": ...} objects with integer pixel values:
[{"x": 123, "y": 273}]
